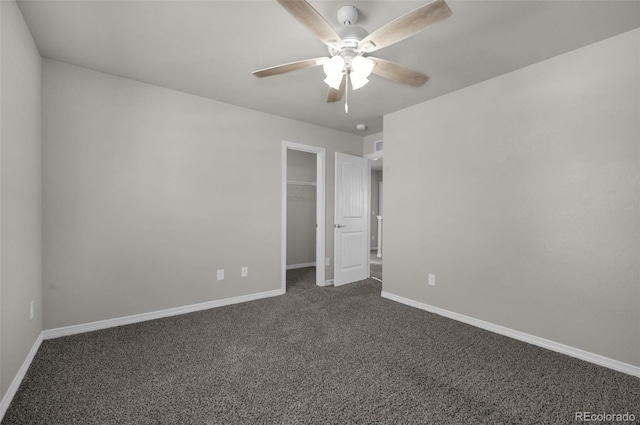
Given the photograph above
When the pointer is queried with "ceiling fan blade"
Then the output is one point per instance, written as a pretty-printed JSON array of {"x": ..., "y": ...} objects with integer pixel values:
[
  {"x": 310, "y": 18},
  {"x": 336, "y": 95},
  {"x": 405, "y": 26},
  {"x": 288, "y": 67},
  {"x": 402, "y": 74}
]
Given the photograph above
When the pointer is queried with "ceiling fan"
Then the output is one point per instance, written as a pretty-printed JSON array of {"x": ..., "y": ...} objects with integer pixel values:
[{"x": 349, "y": 46}]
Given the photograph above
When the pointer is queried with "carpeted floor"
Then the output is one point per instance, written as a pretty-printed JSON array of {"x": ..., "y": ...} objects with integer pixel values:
[{"x": 315, "y": 355}]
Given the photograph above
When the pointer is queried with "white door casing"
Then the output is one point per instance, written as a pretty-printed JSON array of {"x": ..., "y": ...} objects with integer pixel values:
[
  {"x": 320, "y": 211},
  {"x": 351, "y": 228}
]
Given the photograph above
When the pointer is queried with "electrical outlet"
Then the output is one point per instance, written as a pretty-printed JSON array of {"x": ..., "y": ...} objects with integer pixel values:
[
  {"x": 327, "y": 261},
  {"x": 432, "y": 279},
  {"x": 244, "y": 272},
  {"x": 31, "y": 311},
  {"x": 221, "y": 274}
]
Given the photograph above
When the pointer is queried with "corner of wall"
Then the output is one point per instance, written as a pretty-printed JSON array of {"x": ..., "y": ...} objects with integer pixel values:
[
  {"x": 20, "y": 199},
  {"x": 368, "y": 142}
]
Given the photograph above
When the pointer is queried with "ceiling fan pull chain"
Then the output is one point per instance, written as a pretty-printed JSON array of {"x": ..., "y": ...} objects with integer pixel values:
[{"x": 346, "y": 94}]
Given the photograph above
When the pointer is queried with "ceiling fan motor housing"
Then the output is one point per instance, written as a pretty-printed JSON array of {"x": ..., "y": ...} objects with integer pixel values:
[
  {"x": 349, "y": 33},
  {"x": 351, "y": 36}
]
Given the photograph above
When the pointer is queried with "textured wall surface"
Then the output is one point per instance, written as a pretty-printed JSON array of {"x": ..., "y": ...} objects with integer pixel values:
[
  {"x": 521, "y": 194},
  {"x": 21, "y": 193},
  {"x": 376, "y": 178},
  {"x": 148, "y": 191},
  {"x": 370, "y": 141},
  {"x": 301, "y": 208}
]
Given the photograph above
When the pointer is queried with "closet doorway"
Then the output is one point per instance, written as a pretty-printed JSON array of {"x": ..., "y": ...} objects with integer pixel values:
[{"x": 303, "y": 212}]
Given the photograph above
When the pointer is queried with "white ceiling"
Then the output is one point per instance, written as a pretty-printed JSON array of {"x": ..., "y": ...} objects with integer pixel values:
[{"x": 210, "y": 48}]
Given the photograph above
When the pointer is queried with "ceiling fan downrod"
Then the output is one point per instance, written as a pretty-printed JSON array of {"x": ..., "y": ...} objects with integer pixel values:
[{"x": 346, "y": 95}]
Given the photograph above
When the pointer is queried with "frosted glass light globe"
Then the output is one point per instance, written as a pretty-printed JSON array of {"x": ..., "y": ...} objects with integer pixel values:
[{"x": 362, "y": 66}]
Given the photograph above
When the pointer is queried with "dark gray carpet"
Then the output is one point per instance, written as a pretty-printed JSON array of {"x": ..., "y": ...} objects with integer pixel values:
[{"x": 315, "y": 355}]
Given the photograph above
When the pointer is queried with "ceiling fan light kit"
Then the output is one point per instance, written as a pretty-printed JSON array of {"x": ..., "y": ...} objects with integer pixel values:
[
  {"x": 361, "y": 68},
  {"x": 349, "y": 43},
  {"x": 333, "y": 69}
]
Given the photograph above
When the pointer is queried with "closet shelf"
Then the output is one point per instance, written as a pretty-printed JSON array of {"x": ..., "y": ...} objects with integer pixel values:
[{"x": 298, "y": 183}]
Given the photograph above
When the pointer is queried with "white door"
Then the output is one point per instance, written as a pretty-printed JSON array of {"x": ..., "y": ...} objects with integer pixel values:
[{"x": 351, "y": 236}]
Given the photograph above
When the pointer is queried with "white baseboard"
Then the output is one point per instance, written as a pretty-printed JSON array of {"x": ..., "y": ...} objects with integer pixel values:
[
  {"x": 300, "y": 266},
  {"x": 521, "y": 336},
  {"x": 17, "y": 380},
  {"x": 127, "y": 320}
]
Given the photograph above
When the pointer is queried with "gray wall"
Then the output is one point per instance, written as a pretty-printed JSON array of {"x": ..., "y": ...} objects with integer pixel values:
[
  {"x": 376, "y": 178},
  {"x": 301, "y": 208},
  {"x": 21, "y": 193},
  {"x": 369, "y": 142},
  {"x": 521, "y": 194},
  {"x": 147, "y": 191}
]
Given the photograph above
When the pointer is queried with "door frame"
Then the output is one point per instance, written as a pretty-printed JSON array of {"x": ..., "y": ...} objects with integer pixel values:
[{"x": 321, "y": 159}]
